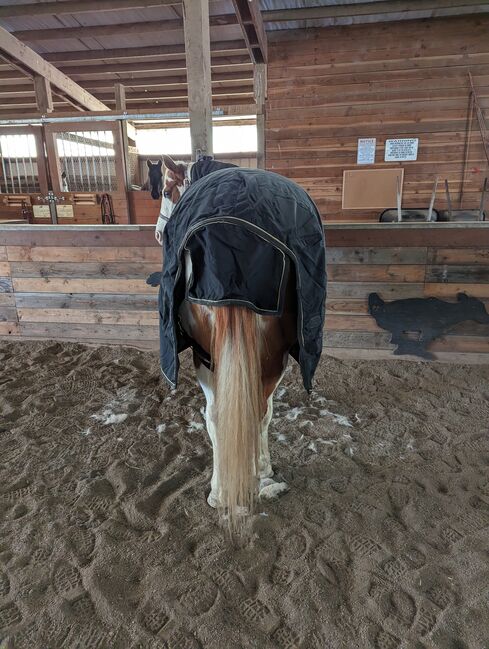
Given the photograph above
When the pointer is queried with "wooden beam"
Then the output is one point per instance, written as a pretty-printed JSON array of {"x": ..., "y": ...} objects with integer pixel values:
[
  {"x": 93, "y": 31},
  {"x": 82, "y": 6},
  {"x": 260, "y": 91},
  {"x": 44, "y": 96},
  {"x": 218, "y": 49},
  {"x": 198, "y": 56},
  {"x": 32, "y": 63},
  {"x": 363, "y": 9},
  {"x": 148, "y": 66},
  {"x": 120, "y": 97},
  {"x": 250, "y": 18}
]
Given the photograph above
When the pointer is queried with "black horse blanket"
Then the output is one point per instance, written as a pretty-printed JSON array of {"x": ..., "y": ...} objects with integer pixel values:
[{"x": 243, "y": 228}]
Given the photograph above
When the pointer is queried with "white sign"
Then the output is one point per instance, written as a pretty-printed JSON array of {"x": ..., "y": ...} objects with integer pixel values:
[
  {"x": 401, "y": 149},
  {"x": 65, "y": 211},
  {"x": 41, "y": 212},
  {"x": 366, "y": 151}
]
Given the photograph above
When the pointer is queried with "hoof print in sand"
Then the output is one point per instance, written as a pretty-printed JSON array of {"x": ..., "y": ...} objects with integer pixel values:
[
  {"x": 292, "y": 548},
  {"x": 255, "y": 612},
  {"x": 402, "y": 608},
  {"x": 385, "y": 640},
  {"x": 67, "y": 580},
  {"x": 82, "y": 608},
  {"x": 154, "y": 618},
  {"x": 9, "y": 616},
  {"x": 82, "y": 543},
  {"x": 179, "y": 639},
  {"x": 4, "y": 584},
  {"x": 281, "y": 576},
  {"x": 284, "y": 638},
  {"x": 321, "y": 514},
  {"x": 198, "y": 598}
]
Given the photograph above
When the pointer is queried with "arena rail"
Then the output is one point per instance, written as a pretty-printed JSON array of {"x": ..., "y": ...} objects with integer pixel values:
[{"x": 87, "y": 284}]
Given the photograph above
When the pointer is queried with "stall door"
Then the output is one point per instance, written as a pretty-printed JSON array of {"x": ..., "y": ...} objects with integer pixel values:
[{"x": 87, "y": 172}]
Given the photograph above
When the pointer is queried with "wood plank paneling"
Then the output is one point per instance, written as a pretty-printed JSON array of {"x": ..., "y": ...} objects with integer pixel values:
[
  {"x": 66, "y": 289},
  {"x": 84, "y": 254},
  {"x": 328, "y": 87},
  {"x": 68, "y": 270},
  {"x": 86, "y": 301},
  {"x": 59, "y": 285},
  {"x": 92, "y": 316},
  {"x": 362, "y": 255}
]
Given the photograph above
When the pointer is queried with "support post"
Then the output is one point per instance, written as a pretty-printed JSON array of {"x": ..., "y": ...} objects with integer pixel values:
[
  {"x": 260, "y": 88},
  {"x": 198, "y": 56},
  {"x": 120, "y": 97},
  {"x": 44, "y": 97}
]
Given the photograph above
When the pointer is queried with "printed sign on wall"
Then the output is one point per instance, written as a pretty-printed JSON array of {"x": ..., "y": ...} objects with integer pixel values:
[
  {"x": 41, "y": 212},
  {"x": 366, "y": 151},
  {"x": 401, "y": 149},
  {"x": 65, "y": 211}
]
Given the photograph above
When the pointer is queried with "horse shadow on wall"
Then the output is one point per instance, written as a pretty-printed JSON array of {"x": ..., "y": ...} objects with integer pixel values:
[{"x": 415, "y": 322}]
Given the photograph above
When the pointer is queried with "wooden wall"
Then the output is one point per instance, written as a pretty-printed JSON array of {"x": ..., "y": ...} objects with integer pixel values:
[
  {"x": 89, "y": 285},
  {"x": 328, "y": 87},
  {"x": 84, "y": 213}
]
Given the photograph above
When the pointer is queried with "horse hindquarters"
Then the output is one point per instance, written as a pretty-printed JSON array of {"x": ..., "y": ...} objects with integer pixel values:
[{"x": 238, "y": 392}]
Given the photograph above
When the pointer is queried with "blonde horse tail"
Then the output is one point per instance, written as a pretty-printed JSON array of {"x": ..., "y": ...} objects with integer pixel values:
[{"x": 238, "y": 393}]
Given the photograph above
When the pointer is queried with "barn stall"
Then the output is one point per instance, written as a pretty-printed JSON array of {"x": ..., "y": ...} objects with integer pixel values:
[{"x": 107, "y": 540}]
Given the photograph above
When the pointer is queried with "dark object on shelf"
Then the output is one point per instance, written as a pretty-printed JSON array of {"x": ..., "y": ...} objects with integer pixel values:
[
  {"x": 462, "y": 214},
  {"x": 410, "y": 214},
  {"x": 415, "y": 322}
]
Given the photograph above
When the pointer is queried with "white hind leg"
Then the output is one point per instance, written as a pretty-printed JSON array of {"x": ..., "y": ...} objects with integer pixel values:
[
  {"x": 264, "y": 467},
  {"x": 204, "y": 376},
  {"x": 269, "y": 489}
]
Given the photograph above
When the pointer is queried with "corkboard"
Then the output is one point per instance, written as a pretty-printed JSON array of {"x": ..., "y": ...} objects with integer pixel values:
[{"x": 365, "y": 189}]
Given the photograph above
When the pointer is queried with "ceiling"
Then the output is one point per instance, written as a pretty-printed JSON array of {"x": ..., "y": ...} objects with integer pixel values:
[{"x": 143, "y": 48}]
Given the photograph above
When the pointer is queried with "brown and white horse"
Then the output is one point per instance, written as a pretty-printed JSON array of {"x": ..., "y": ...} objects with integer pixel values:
[{"x": 249, "y": 355}]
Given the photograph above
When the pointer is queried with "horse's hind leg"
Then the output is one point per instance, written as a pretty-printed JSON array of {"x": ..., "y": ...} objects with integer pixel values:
[
  {"x": 204, "y": 376},
  {"x": 269, "y": 488}
]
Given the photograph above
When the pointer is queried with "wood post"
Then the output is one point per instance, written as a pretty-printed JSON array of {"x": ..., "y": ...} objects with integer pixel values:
[
  {"x": 120, "y": 97},
  {"x": 260, "y": 87},
  {"x": 198, "y": 56},
  {"x": 44, "y": 97}
]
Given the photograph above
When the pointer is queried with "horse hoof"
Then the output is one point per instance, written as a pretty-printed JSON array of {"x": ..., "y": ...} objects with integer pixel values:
[
  {"x": 273, "y": 490},
  {"x": 213, "y": 501}
]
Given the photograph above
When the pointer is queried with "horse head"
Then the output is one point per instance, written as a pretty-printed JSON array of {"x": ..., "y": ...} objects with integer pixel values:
[
  {"x": 155, "y": 178},
  {"x": 176, "y": 180}
]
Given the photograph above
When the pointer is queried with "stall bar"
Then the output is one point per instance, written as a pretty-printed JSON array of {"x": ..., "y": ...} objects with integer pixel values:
[{"x": 86, "y": 284}]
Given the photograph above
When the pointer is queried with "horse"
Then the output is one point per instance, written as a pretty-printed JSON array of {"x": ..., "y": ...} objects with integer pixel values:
[
  {"x": 154, "y": 181},
  {"x": 240, "y": 358}
]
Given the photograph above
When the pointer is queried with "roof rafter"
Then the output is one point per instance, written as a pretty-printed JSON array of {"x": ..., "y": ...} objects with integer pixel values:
[
  {"x": 32, "y": 64},
  {"x": 218, "y": 48},
  {"x": 82, "y": 6},
  {"x": 250, "y": 18},
  {"x": 93, "y": 31}
]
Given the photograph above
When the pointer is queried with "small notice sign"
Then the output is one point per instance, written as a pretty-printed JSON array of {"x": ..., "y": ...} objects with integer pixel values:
[
  {"x": 41, "y": 212},
  {"x": 366, "y": 150},
  {"x": 401, "y": 149},
  {"x": 65, "y": 211}
]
